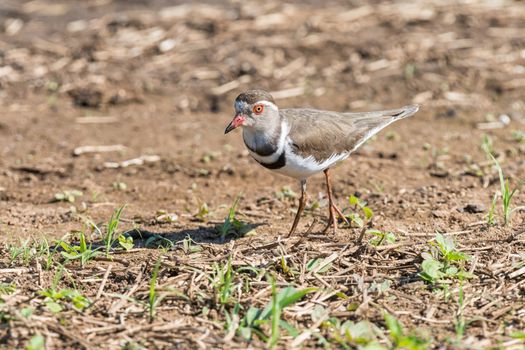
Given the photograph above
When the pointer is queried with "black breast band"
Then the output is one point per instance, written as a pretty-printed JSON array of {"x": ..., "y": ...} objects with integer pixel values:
[{"x": 279, "y": 163}]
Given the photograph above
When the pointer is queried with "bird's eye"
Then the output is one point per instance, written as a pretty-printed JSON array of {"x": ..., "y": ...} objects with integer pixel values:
[{"x": 258, "y": 109}]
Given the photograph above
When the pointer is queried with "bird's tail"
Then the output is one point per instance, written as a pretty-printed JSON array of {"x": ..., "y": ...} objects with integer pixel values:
[{"x": 370, "y": 123}]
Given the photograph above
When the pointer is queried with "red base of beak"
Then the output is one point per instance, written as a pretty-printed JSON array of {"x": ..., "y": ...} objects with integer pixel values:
[{"x": 235, "y": 123}]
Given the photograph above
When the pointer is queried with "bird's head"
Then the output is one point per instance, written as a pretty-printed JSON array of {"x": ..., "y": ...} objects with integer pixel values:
[{"x": 254, "y": 109}]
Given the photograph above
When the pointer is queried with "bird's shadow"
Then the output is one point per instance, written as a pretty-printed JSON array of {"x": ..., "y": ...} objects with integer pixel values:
[{"x": 143, "y": 238}]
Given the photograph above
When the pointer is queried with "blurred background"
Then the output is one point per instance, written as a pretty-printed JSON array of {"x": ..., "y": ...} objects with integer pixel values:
[{"x": 153, "y": 82}]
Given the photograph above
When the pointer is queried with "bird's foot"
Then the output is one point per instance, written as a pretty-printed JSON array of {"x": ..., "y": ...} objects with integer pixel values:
[{"x": 332, "y": 222}]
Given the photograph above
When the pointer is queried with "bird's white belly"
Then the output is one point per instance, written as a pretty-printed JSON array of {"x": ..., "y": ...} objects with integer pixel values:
[{"x": 302, "y": 168}]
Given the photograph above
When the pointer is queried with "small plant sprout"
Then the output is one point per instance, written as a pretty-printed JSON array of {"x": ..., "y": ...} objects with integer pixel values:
[
  {"x": 68, "y": 196},
  {"x": 153, "y": 298},
  {"x": 285, "y": 193},
  {"x": 111, "y": 231},
  {"x": 518, "y": 136},
  {"x": 506, "y": 193},
  {"x": 189, "y": 246},
  {"x": 254, "y": 319},
  {"x": 120, "y": 186},
  {"x": 459, "y": 319},
  {"x": 125, "y": 242},
  {"x": 490, "y": 216},
  {"x": 165, "y": 217},
  {"x": 359, "y": 206},
  {"x": 232, "y": 225},
  {"x": 487, "y": 145},
  {"x": 203, "y": 212},
  {"x": 7, "y": 288},
  {"x": 55, "y": 298},
  {"x": 443, "y": 261},
  {"x": 22, "y": 253},
  {"x": 402, "y": 340},
  {"x": 82, "y": 252},
  {"x": 222, "y": 281},
  {"x": 37, "y": 342},
  {"x": 381, "y": 237}
]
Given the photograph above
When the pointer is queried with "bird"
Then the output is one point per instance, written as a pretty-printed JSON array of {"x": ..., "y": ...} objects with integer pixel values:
[{"x": 301, "y": 142}]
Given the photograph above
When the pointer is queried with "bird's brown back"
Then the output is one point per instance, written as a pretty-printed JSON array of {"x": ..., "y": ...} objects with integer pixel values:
[{"x": 322, "y": 134}]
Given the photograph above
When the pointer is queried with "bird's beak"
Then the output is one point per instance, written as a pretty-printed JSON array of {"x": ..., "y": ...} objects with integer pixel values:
[{"x": 235, "y": 123}]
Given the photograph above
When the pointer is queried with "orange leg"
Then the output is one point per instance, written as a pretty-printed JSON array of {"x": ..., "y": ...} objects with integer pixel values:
[
  {"x": 332, "y": 208},
  {"x": 302, "y": 204}
]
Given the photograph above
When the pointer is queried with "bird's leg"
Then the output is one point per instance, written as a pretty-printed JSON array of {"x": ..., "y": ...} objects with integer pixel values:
[
  {"x": 332, "y": 208},
  {"x": 302, "y": 203}
]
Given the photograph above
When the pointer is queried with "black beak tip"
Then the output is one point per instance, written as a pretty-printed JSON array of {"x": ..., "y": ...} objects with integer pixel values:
[{"x": 229, "y": 128}]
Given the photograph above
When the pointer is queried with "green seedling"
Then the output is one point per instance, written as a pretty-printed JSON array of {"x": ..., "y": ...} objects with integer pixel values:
[
  {"x": 82, "y": 252},
  {"x": 459, "y": 319},
  {"x": 232, "y": 226},
  {"x": 443, "y": 261},
  {"x": 381, "y": 237},
  {"x": 125, "y": 242},
  {"x": 37, "y": 342},
  {"x": 518, "y": 136},
  {"x": 68, "y": 196},
  {"x": 285, "y": 193},
  {"x": 518, "y": 335},
  {"x": 55, "y": 298},
  {"x": 222, "y": 281},
  {"x": 44, "y": 251},
  {"x": 203, "y": 212},
  {"x": 355, "y": 335},
  {"x": 210, "y": 156},
  {"x": 6, "y": 289},
  {"x": 490, "y": 216},
  {"x": 487, "y": 145},
  {"x": 119, "y": 186},
  {"x": 22, "y": 253},
  {"x": 189, "y": 246},
  {"x": 276, "y": 318},
  {"x": 255, "y": 318},
  {"x": 111, "y": 230},
  {"x": 361, "y": 213},
  {"x": 159, "y": 242},
  {"x": 153, "y": 298},
  {"x": 402, "y": 340},
  {"x": 506, "y": 193},
  {"x": 164, "y": 216},
  {"x": 319, "y": 265}
]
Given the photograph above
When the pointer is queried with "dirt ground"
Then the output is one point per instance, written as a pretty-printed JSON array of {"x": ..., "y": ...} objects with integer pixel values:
[{"x": 155, "y": 80}]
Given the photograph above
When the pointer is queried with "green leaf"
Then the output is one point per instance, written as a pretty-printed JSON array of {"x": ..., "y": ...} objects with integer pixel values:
[
  {"x": 289, "y": 328},
  {"x": 518, "y": 335},
  {"x": 356, "y": 219},
  {"x": 354, "y": 200},
  {"x": 37, "y": 342},
  {"x": 373, "y": 346},
  {"x": 54, "y": 307},
  {"x": 286, "y": 297},
  {"x": 313, "y": 264},
  {"x": 368, "y": 213},
  {"x": 394, "y": 326},
  {"x": 361, "y": 332},
  {"x": 26, "y": 312},
  {"x": 457, "y": 256},
  {"x": 432, "y": 268},
  {"x": 125, "y": 242},
  {"x": 276, "y": 316},
  {"x": 245, "y": 332}
]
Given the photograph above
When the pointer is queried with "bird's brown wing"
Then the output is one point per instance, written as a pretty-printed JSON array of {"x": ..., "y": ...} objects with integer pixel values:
[{"x": 322, "y": 134}]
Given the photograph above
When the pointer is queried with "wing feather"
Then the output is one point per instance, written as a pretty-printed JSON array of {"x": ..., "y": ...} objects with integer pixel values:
[{"x": 322, "y": 134}]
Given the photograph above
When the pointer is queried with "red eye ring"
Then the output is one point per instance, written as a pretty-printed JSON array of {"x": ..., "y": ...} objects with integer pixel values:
[{"x": 258, "y": 109}]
